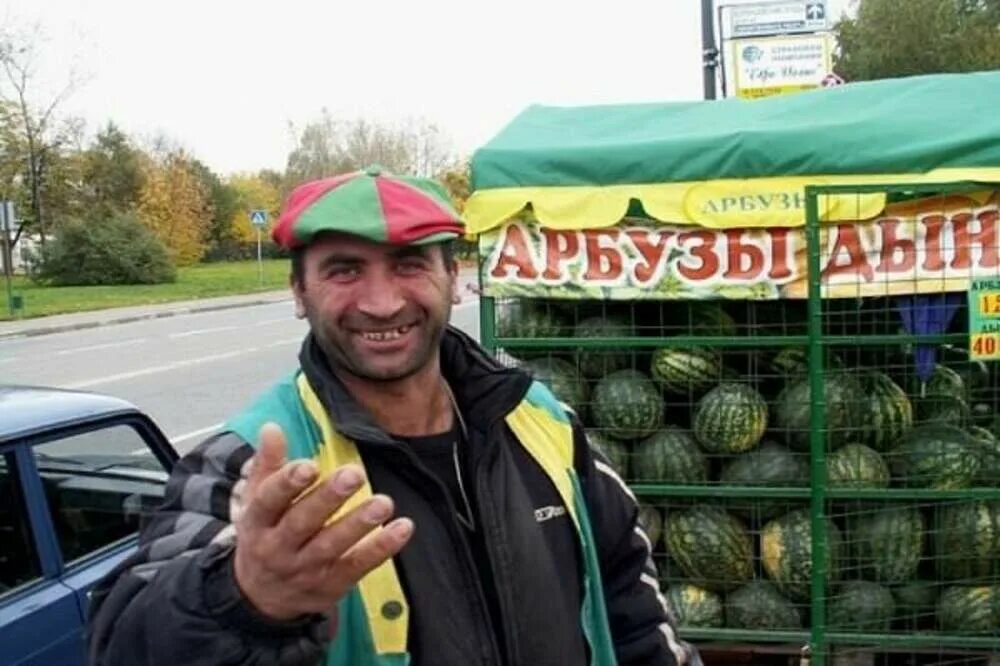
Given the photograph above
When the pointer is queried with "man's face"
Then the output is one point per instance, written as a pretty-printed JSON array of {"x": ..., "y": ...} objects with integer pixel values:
[{"x": 378, "y": 311}]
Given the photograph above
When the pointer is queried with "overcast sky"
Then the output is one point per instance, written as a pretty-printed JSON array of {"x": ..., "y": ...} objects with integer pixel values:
[{"x": 224, "y": 78}]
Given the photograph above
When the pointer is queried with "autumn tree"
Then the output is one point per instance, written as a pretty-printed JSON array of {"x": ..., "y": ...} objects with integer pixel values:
[
  {"x": 40, "y": 134},
  {"x": 327, "y": 146},
  {"x": 888, "y": 38},
  {"x": 174, "y": 204},
  {"x": 252, "y": 193},
  {"x": 112, "y": 174}
]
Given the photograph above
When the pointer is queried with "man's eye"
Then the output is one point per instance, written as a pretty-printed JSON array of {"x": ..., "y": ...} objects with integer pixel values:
[
  {"x": 342, "y": 272},
  {"x": 410, "y": 266}
]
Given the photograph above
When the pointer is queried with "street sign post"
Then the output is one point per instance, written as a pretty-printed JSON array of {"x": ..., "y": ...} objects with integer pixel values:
[
  {"x": 258, "y": 218},
  {"x": 6, "y": 226},
  {"x": 777, "y": 17}
]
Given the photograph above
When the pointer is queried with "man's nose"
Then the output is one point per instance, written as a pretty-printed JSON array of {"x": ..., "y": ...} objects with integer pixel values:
[{"x": 381, "y": 296}]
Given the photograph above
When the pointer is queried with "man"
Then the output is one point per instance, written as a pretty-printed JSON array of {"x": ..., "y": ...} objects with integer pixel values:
[{"x": 277, "y": 542}]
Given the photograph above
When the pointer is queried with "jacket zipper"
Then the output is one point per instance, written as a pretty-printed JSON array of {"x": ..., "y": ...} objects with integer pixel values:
[{"x": 490, "y": 654}]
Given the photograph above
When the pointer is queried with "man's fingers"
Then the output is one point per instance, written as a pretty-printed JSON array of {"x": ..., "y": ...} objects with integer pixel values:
[
  {"x": 275, "y": 494},
  {"x": 307, "y": 517},
  {"x": 270, "y": 455},
  {"x": 334, "y": 540},
  {"x": 367, "y": 554}
]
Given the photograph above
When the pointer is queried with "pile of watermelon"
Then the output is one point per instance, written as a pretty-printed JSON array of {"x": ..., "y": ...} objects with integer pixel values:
[{"x": 690, "y": 414}]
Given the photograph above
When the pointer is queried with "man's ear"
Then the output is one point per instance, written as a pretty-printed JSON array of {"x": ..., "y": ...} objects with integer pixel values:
[{"x": 299, "y": 296}]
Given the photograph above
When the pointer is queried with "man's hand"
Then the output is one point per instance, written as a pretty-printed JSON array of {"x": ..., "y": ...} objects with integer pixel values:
[{"x": 288, "y": 562}]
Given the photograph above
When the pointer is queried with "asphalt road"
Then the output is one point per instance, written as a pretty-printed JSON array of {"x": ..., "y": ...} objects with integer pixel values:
[{"x": 189, "y": 372}]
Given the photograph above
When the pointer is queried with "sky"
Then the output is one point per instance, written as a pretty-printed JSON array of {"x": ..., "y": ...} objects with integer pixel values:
[{"x": 224, "y": 79}]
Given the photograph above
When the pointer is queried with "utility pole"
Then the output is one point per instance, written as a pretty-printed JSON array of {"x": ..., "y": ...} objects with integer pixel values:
[{"x": 709, "y": 51}]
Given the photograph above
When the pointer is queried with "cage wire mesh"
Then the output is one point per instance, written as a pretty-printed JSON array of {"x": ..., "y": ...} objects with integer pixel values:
[{"x": 835, "y": 486}]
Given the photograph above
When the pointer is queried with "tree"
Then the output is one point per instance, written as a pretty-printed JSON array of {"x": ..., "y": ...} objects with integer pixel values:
[
  {"x": 40, "y": 133},
  {"x": 223, "y": 201},
  {"x": 328, "y": 146},
  {"x": 887, "y": 39},
  {"x": 252, "y": 193},
  {"x": 112, "y": 174},
  {"x": 174, "y": 204}
]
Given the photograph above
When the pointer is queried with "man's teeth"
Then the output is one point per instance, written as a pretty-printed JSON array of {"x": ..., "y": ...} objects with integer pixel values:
[{"x": 381, "y": 336}]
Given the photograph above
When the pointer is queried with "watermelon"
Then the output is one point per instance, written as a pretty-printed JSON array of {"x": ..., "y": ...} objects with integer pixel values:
[
  {"x": 562, "y": 379},
  {"x": 709, "y": 319},
  {"x": 887, "y": 412},
  {"x": 595, "y": 363},
  {"x": 947, "y": 409},
  {"x": 989, "y": 454},
  {"x": 793, "y": 362},
  {"x": 669, "y": 456},
  {"x": 530, "y": 320},
  {"x": 939, "y": 456},
  {"x": 695, "y": 607},
  {"x": 683, "y": 370},
  {"x": 856, "y": 466},
  {"x": 616, "y": 452},
  {"x": 627, "y": 405},
  {"x": 771, "y": 465},
  {"x": 888, "y": 543},
  {"x": 786, "y": 552},
  {"x": 651, "y": 523},
  {"x": 943, "y": 381},
  {"x": 969, "y": 609},
  {"x": 915, "y": 602},
  {"x": 711, "y": 547},
  {"x": 862, "y": 606},
  {"x": 967, "y": 540},
  {"x": 731, "y": 418},
  {"x": 844, "y": 410},
  {"x": 758, "y": 605}
]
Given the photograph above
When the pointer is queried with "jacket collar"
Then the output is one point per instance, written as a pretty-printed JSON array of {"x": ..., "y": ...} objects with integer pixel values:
[{"x": 484, "y": 389}]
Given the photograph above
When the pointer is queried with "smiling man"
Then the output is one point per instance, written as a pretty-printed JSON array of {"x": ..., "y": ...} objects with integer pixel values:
[{"x": 400, "y": 497}]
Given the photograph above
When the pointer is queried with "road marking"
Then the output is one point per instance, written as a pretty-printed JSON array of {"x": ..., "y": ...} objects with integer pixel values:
[
  {"x": 200, "y": 331},
  {"x": 196, "y": 433},
  {"x": 106, "y": 345},
  {"x": 286, "y": 341},
  {"x": 159, "y": 368}
]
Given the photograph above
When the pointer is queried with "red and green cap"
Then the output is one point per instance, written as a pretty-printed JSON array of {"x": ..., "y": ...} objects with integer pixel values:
[{"x": 399, "y": 210}]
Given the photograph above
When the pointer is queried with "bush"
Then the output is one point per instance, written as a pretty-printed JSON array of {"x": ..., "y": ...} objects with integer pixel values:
[{"x": 115, "y": 250}]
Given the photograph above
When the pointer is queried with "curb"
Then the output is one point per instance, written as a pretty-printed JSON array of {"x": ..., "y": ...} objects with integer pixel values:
[{"x": 126, "y": 319}]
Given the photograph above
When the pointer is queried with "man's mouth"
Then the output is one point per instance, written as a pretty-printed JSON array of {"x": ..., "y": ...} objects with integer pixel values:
[{"x": 386, "y": 335}]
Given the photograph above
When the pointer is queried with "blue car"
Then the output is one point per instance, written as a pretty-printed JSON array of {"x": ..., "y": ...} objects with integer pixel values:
[{"x": 78, "y": 471}]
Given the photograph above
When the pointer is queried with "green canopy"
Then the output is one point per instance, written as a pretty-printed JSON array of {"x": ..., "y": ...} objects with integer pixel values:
[{"x": 582, "y": 166}]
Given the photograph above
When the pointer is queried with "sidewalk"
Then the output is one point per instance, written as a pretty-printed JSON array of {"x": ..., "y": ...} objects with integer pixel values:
[{"x": 95, "y": 318}]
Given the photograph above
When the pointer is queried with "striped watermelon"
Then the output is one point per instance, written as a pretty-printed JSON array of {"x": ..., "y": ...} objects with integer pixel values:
[
  {"x": 969, "y": 609},
  {"x": 731, "y": 418},
  {"x": 943, "y": 381},
  {"x": 888, "y": 543},
  {"x": 759, "y": 605},
  {"x": 683, "y": 370},
  {"x": 794, "y": 362},
  {"x": 887, "y": 413},
  {"x": 651, "y": 522},
  {"x": 529, "y": 319},
  {"x": 939, "y": 456},
  {"x": 844, "y": 410},
  {"x": 627, "y": 405},
  {"x": 772, "y": 466},
  {"x": 562, "y": 379},
  {"x": 669, "y": 456},
  {"x": 695, "y": 607},
  {"x": 709, "y": 319},
  {"x": 617, "y": 452},
  {"x": 711, "y": 547},
  {"x": 967, "y": 540},
  {"x": 915, "y": 602},
  {"x": 856, "y": 466},
  {"x": 786, "y": 552},
  {"x": 595, "y": 363},
  {"x": 862, "y": 606},
  {"x": 989, "y": 449}
]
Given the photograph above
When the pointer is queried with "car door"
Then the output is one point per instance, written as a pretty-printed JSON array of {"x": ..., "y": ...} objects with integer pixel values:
[
  {"x": 99, "y": 480},
  {"x": 40, "y": 618}
]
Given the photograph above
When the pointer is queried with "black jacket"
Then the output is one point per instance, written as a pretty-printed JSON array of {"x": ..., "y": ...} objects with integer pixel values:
[{"x": 175, "y": 600}]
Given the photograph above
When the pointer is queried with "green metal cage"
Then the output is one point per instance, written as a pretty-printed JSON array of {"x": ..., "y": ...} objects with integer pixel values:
[{"x": 875, "y": 557}]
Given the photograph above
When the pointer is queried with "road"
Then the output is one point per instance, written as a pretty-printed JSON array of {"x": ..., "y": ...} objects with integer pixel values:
[{"x": 189, "y": 372}]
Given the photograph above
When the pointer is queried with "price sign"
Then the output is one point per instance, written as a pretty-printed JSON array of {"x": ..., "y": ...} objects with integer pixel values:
[{"x": 984, "y": 320}]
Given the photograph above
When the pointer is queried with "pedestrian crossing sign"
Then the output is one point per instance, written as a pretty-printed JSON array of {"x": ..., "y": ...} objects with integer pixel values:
[{"x": 258, "y": 218}]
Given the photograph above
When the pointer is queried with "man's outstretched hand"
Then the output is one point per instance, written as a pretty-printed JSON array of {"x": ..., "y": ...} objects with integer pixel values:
[{"x": 288, "y": 562}]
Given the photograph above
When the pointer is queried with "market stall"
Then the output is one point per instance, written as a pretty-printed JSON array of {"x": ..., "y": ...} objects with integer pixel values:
[{"x": 777, "y": 319}]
